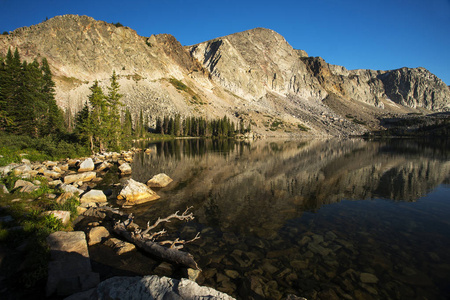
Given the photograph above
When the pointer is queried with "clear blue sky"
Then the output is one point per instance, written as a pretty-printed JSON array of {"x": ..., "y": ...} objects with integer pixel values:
[{"x": 377, "y": 34}]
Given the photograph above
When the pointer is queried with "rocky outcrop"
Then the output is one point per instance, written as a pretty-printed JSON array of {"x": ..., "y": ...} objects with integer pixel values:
[{"x": 416, "y": 88}]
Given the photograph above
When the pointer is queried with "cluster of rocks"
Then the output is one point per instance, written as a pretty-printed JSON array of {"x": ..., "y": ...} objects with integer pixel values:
[
  {"x": 70, "y": 273},
  {"x": 78, "y": 178}
]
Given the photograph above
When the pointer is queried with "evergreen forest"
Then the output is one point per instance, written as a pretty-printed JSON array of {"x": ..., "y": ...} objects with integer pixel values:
[{"x": 31, "y": 118}]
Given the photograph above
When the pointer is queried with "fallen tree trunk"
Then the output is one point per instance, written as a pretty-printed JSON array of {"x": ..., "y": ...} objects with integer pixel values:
[{"x": 146, "y": 242}]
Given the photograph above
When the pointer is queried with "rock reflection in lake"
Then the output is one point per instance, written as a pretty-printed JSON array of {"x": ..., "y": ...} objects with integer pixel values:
[{"x": 322, "y": 219}]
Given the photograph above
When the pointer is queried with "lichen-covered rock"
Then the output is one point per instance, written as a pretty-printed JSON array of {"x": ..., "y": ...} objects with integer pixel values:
[{"x": 136, "y": 193}]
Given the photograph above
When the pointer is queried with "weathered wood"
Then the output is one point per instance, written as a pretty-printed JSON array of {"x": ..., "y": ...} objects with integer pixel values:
[{"x": 170, "y": 254}]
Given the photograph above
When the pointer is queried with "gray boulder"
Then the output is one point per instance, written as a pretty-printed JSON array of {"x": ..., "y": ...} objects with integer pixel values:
[
  {"x": 69, "y": 270},
  {"x": 154, "y": 287}
]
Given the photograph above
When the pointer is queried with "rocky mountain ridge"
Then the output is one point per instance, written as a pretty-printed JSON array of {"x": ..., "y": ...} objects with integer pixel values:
[{"x": 253, "y": 75}]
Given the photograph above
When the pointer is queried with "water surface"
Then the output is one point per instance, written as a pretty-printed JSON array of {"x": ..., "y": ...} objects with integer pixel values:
[{"x": 322, "y": 219}]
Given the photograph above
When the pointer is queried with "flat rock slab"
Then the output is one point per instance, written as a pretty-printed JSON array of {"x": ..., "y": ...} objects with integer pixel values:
[
  {"x": 87, "y": 176},
  {"x": 69, "y": 270},
  {"x": 159, "y": 181}
]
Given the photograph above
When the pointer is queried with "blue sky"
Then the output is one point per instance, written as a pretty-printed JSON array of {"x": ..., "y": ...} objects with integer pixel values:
[{"x": 377, "y": 34}]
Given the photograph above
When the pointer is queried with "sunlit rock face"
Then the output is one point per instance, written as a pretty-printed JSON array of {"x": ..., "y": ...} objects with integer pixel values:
[{"x": 255, "y": 62}]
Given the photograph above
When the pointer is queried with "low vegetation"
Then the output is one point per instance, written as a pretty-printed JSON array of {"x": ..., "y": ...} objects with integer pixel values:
[{"x": 26, "y": 230}]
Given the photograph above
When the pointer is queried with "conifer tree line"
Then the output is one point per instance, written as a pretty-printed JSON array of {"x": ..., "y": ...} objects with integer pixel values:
[
  {"x": 27, "y": 98},
  {"x": 200, "y": 127},
  {"x": 28, "y": 107},
  {"x": 99, "y": 122}
]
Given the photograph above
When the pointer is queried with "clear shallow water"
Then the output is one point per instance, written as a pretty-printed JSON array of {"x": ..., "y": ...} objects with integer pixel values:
[{"x": 323, "y": 219}]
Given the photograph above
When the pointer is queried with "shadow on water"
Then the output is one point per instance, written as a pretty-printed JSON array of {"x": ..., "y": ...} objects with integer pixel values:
[{"x": 323, "y": 219}]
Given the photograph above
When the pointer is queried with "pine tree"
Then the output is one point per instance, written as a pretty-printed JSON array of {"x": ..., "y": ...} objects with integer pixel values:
[
  {"x": 98, "y": 118},
  {"x": 113, "y": 118},
  {"x": 53, "y": 121},
  {"x": 127, "y": 128},
  {"x": 158, "y": 127},
  {"x": 83, "y": 125}
]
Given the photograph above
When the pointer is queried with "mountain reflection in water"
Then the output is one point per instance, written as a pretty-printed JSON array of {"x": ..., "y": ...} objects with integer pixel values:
[{"x": 276, "y": 216}]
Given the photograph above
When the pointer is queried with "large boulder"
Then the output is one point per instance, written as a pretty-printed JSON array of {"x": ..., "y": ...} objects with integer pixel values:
[
  {"x": 135, "y": 193},
  {"x": 69, "y": 270},
  {"x": 93, "y": 196},
  {"x": 159, "y": 181},
  {"x": 87, "y": 165},
  {"x": 87, "y": 176},
  {"x": 155, "y": 287}
]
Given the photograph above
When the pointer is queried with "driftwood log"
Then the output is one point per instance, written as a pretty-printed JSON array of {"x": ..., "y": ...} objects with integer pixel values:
[{"x": 148, "y": 241}]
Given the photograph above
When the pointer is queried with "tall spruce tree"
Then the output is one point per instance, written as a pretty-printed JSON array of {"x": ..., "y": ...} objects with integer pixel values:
[
  {"x": 113, "y": 118},
  {"x": 127, "y": 128},
  {"x": 98, "y": 118}
]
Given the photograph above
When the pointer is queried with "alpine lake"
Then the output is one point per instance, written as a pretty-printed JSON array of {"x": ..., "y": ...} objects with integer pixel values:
[{"x": 320, "y": 219}]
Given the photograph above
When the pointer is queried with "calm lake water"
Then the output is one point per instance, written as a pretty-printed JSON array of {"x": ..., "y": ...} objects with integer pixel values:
[{"x": 322, "y": 219}]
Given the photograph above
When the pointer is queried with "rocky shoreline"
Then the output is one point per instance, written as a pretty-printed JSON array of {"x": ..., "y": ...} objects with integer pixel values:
[{"x": 70, "y": 271}]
